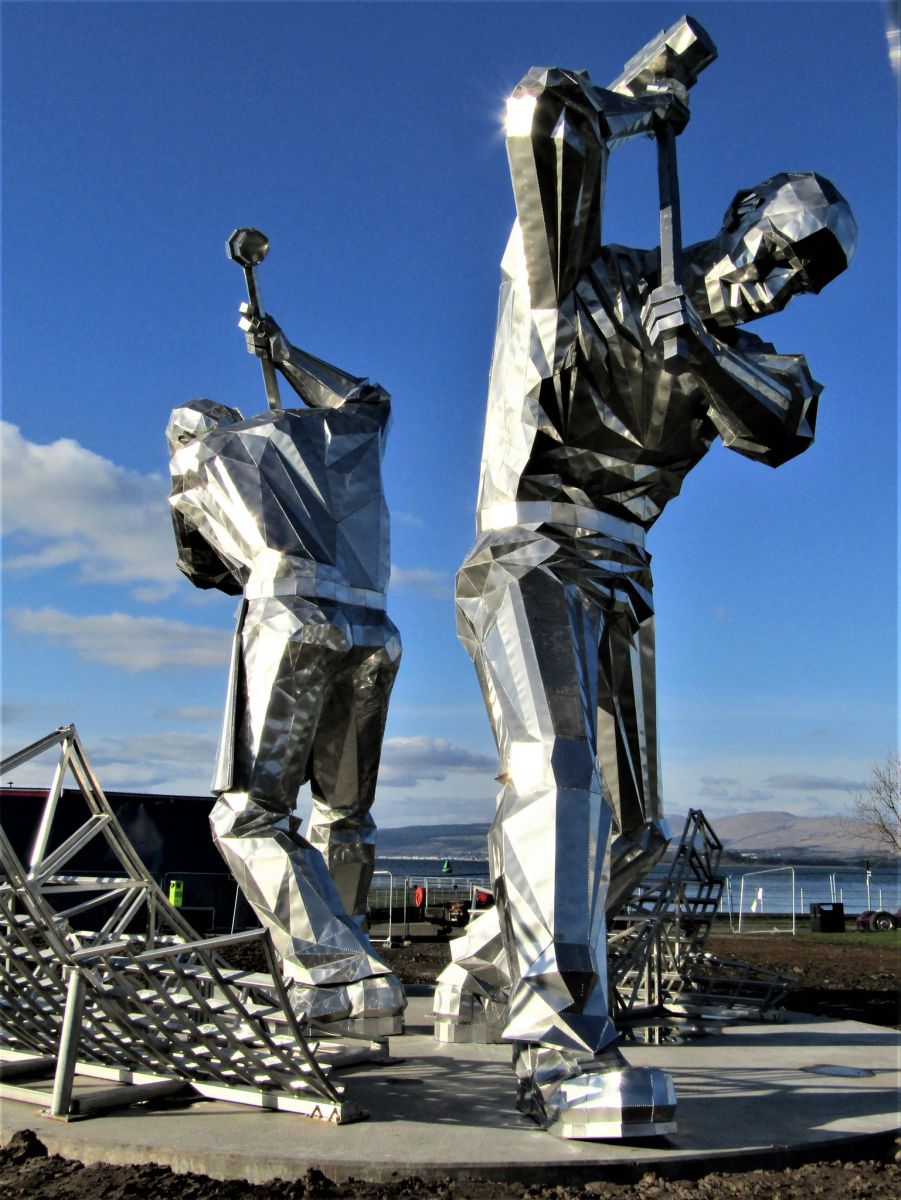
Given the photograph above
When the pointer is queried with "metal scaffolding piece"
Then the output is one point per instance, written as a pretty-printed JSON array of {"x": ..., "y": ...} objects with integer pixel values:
[
  {"x": 660, "y": 973},
  {"x": 138, "y": 1000}
]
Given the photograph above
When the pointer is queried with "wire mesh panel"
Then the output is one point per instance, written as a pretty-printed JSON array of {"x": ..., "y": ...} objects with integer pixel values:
[{"x": 138, "y": 997}]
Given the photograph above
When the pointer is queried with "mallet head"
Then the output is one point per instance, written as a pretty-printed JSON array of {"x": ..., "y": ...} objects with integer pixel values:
[{"x": 247, "y": 247}]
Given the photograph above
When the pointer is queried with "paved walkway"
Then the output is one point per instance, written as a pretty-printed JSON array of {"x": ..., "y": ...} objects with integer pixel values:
[{"x": 750, "y": 1096}]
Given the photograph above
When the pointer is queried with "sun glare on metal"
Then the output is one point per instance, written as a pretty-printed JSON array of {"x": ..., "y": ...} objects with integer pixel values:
[{"x": 520, "y": 110}]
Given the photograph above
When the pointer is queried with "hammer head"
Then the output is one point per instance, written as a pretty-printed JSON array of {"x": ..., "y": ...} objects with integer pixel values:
[
  {"x": 247, "y": 247},
  {"x": 678, "y": 54}
]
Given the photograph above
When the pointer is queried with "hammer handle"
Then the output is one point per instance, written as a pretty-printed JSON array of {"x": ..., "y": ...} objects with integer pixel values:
[
  {"x": 270, "y": 379},
  {"x": 670, "y": 213}
]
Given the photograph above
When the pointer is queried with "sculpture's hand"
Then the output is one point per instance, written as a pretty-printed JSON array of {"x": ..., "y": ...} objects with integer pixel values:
[
  {"x": 263, "y": 335},
  {"x": 668, "y": 316},
  {"x": 670, "y": 99}
]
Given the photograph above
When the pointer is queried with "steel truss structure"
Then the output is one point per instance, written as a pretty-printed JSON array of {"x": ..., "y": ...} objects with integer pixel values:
[
  {"x": 661, "y": 976},
  {"x": 140, "y": 1001}
]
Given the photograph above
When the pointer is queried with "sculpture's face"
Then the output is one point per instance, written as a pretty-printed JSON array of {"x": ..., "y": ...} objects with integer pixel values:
[
  {"x": 792, "y": 234},
  {"x": 191, "y": 420}
]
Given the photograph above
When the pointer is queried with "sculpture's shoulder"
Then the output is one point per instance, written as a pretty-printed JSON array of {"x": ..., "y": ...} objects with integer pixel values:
[
  {"x": 354, "y": 415},
  {"x": 303, "y": 424}
]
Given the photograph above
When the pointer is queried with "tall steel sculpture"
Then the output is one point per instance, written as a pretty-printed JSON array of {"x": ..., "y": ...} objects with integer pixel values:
[
  {"x": 613, "y": 371},
  {"x": 287, "y": 507}
]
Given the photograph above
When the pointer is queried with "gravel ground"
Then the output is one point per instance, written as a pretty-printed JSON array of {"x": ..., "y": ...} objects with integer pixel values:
[{"x": 855, "y": 977}]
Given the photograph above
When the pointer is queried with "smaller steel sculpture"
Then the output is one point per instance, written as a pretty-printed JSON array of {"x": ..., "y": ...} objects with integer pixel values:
[{"x": 288, "y": 508}]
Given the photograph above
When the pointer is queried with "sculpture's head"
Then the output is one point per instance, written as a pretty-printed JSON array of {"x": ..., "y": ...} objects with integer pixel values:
[
  {"x": 790, "y": 234},
  {"x": 190, "y": 420}
]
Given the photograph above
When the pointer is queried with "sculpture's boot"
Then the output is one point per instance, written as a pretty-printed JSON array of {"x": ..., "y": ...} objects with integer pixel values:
[
  {"x": 369, "y": 1008},
  {"x": 470, "y": 998},
  {"x": 333, "y": 972},
  {"x": 600, "y": 1096}
]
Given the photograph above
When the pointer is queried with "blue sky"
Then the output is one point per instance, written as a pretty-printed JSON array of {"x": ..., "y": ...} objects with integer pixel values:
[{"x": 365, "y": 139}]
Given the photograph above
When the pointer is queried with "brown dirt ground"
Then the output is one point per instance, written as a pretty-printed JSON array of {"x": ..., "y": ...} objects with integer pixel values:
[{"x": 835, "y": 979}]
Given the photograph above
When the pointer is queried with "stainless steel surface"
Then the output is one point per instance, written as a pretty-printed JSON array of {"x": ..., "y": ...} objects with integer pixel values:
[
  {"x": 588, "y": 415},
  {"x": 288, "y": 508}
]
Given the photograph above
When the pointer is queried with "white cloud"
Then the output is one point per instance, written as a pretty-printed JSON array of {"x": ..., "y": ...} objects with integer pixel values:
[
  {"x": 406, "y": 761},
  {"x": 200, "y": 713},
  {"x": 180, "y": 761},
  {"x": 814, "y": 783},
  {"x": 64, "y": 504},
  {"x": 426, "y": 582},
  {"x": 152, "y": 756},
  {"x": 175, "y": 763},
  {"x": 133, "y": 643},
  {"x": 730, "y": 795}
]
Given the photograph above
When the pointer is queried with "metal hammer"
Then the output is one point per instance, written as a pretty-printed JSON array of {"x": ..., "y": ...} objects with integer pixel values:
[
  {"x": 248, "y": 248},
  {"x": 676, "y": 56}
]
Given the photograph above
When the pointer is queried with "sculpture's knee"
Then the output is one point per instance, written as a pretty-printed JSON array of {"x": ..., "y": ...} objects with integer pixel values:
[
  {"x": 241, "y": 815},
  {"x": 566, "y": 764}
]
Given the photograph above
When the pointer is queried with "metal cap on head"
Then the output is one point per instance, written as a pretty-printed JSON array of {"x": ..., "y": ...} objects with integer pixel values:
[
  {"x": 192, "y": 420},
  {"x": 247, "y": 247}
]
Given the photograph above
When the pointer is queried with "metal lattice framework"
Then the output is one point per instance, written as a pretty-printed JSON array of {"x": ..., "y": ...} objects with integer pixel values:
[
  {"x": 660, "y": 973},
  {"x": 140, "y": 1000}
]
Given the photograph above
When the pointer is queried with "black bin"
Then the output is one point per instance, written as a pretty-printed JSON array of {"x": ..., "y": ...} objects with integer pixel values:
[{"x": 827, "y": 918}]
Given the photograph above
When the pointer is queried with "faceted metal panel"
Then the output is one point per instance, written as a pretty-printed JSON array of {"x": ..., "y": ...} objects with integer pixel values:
[
  {"x": 287, "y": 509},
  {"x": 614, "y": 369}
]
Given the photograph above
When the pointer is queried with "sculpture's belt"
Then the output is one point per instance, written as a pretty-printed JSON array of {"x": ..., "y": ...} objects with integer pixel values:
[
  {"x": 549, "y": 512},
  {"x": 312, "y": 588}
]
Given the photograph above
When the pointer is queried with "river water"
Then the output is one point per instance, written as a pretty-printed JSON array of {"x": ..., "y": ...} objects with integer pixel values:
[{"x": 772, "y": 888}]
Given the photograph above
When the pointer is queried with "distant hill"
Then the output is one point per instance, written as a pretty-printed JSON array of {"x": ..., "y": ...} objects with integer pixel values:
[
  {"x": 434, "y": 841},
  {"x": 784, "y": 834},
  {"x": 770, "y": 835}
]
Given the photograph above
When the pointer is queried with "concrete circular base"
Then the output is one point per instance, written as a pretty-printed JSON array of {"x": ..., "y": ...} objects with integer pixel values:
[{"x": 764, "y": 1095}]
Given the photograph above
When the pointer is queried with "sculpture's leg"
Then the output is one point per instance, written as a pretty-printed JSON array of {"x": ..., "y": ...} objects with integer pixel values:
[
  {"x": 550, "y": 838},
  {"x": 470, "y": 1000},
  {"x": 628, "y": 752},
  {"x": 536, "y": 617},
  {"x": 344, "y": 766},
  {"x": 290, "y": 654}
]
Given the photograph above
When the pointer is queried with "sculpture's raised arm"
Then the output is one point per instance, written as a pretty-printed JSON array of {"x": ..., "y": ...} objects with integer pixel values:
[
  {"x": 318, "y": 383},
  {"x": 560, "y": 128}
]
